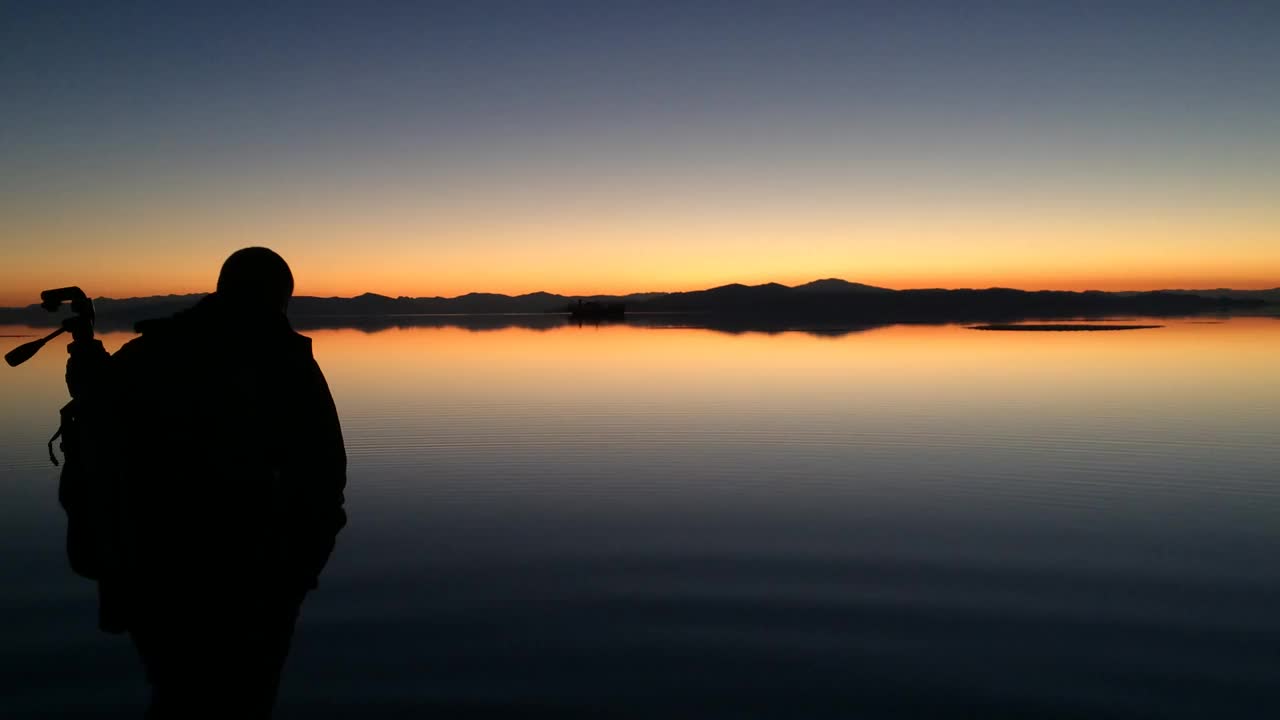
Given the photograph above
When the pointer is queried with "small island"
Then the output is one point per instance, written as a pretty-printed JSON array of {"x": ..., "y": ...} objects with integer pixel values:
[
  {"x": 596, "y": 310},
  {"x": 1061, "y": 327}
]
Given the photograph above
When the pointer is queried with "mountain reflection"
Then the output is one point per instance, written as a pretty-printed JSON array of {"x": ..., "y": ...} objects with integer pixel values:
[{"x": 555, "y": 321}]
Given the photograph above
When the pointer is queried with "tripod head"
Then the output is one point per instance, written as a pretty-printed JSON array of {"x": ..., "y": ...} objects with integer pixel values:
[
  {"x": 80, "y": 324},
  {"x": 51, "y": 300}
]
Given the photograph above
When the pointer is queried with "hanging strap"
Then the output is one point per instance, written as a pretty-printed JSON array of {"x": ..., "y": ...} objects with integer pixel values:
[{"x": 54, "y": 458}]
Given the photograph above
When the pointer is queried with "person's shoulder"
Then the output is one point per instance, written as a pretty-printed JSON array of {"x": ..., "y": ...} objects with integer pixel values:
[
  {"x": 164, "y": 332},
  {"x": 294, "y": 348},
  {"x": 135, "y": 348},
  {"x": 295, "y": 340},
  {"x": 303, "y": 347},
  {"x": 140, "y": 357}
]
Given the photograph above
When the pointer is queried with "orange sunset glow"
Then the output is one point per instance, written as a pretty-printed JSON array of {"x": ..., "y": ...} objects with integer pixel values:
[
  {"x": 439, "y": 257},
  {"x": 596, "y": 175}
]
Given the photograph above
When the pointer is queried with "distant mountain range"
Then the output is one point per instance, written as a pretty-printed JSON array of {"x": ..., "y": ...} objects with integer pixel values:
[
  {"x": 837, "y": 300},
  {"x": 827, "y": 300}
]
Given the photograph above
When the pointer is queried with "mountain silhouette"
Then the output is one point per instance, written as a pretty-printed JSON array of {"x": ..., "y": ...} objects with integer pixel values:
[
  {"x": 833, "y": 285},
  {"x": 828, "y": 300}
]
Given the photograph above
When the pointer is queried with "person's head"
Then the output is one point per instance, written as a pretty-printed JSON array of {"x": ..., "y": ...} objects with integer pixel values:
[{"x": 257, "y": 280}]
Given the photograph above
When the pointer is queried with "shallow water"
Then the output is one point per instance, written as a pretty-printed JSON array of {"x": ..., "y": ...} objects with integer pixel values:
[{"x": 656, "y": 522}]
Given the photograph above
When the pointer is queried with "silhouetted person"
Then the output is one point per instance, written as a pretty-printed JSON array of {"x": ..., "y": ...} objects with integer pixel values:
[{"x": 225, "y": 465}]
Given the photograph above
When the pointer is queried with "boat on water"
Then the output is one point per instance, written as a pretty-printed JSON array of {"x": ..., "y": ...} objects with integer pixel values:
[{"x": 594, "y": 310}]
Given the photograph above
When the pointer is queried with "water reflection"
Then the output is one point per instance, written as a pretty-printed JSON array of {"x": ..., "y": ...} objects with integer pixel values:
[
  {"x": 911, "y": 519},
  {"x": 554, "y": 321}
]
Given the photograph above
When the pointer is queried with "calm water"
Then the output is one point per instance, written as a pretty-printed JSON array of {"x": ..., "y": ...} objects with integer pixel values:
[{"x": 663, "y": 522}]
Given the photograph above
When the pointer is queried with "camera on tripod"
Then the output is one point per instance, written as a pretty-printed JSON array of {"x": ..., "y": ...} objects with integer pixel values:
[{"x": 80, "y": 324}]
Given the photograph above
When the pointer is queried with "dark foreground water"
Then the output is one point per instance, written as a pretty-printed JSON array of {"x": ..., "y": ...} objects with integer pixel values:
[{"x": 649, "y": 522}]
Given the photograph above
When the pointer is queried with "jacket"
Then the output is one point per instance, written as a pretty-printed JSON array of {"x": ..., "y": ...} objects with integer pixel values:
[{"x": 223, "y": 463}]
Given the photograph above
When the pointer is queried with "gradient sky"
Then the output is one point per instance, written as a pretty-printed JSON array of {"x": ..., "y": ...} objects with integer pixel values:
[{"x": 422, "y": 148}]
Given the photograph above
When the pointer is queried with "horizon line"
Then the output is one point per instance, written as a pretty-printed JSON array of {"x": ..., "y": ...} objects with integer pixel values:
[{"x": 672, "y": 292}]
